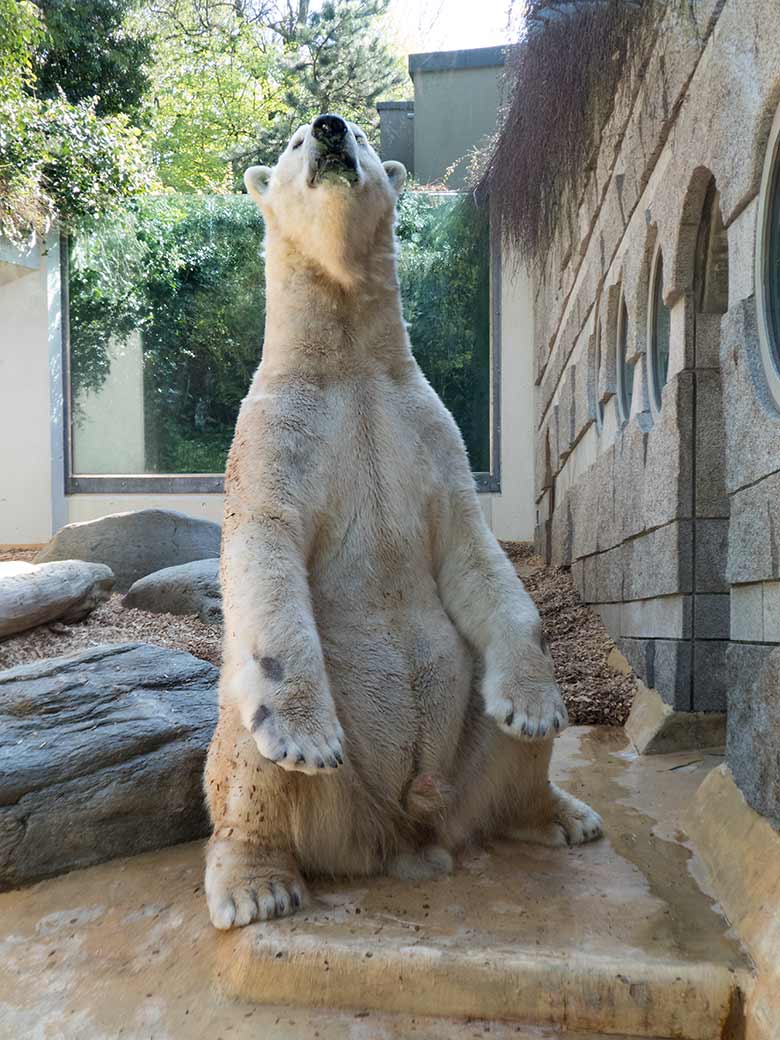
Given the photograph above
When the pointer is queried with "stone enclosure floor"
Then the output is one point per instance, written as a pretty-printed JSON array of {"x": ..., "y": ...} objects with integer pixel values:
[{"x": 615, "y": 937}]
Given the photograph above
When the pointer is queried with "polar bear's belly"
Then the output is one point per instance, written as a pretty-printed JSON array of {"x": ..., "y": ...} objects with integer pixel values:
[{"x": 399, "y": 670}]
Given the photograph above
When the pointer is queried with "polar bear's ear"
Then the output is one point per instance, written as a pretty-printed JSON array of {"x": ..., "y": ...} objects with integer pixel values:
[
  {"x": 396, "y": 174},
  {"x": 256, "y": 179}
]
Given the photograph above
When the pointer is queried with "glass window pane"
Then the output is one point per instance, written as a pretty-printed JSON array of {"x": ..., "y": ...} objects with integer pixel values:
[
  {"x": 661, "y": 331},
  {"x": 167, "y": 308},
  {"x": 444, "y": 270}
]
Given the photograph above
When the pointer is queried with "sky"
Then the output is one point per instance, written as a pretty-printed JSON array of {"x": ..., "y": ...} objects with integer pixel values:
[{"x": 433, "y": 25}]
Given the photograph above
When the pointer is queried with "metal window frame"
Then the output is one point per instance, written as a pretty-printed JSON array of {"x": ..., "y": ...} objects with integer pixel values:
[{"x": 214, "y": 483}]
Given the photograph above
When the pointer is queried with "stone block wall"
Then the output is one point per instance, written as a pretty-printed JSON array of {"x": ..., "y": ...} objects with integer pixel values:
[{"x": 670, "y": 517}]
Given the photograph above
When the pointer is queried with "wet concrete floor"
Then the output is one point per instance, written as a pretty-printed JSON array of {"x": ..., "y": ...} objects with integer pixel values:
[{"x": 125, "y": 949}]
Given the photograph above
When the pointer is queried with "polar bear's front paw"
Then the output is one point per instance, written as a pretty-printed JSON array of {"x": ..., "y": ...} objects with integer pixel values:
[
  {"x": 531, "y": 711},
  {"x": 298, "y": 740}
]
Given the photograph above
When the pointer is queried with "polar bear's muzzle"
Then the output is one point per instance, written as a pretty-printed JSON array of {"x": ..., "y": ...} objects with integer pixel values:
[{"x": 332, "y": 152}]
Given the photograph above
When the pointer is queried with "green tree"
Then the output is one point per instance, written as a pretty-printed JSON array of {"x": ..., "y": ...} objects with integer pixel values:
[
  {"x": 89, "y": 52},
  {"x": 20, "y": 31},
  {"x": 231, "y": 82},
  {"x": 57, "y": 160},
  {"x": 334, "y": 59}
]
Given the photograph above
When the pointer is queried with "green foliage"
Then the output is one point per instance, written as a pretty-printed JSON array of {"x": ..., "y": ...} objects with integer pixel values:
[
  {"x": 232, "y": 82},
  {"x": 444, "y": 271},
  {"x": 57, "y": 160},
  {"x": 334, "y": 60},
  {"x": 88, "y": 52},
  {"x": 62, "y": 160},
  {"x": 188, "y": 273},
  {"x": 20, "y": 31}
]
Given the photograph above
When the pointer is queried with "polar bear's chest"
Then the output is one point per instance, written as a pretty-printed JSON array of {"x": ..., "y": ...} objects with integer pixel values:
[{"x": 380, "y": 482}]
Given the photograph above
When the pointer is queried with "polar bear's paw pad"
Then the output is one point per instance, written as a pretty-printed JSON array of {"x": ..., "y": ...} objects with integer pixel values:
[{"x": 304, "y": 746}]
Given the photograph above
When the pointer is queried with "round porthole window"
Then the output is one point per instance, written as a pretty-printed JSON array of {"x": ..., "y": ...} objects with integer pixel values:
[
  {"x": 768, "y": 264},
  {"x": 625, "y": 371},
  {"x": 660, "y": 329}
]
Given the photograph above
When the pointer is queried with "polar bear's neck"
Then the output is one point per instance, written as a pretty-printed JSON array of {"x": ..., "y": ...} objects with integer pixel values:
[{"x": 319, "y": 323}]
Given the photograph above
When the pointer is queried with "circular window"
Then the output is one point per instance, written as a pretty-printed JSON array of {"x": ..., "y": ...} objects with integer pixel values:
[
  {"x": 625, "y": 371},
  {"x": 768, "y": 264},
  {"x": 660, "y": 327}
]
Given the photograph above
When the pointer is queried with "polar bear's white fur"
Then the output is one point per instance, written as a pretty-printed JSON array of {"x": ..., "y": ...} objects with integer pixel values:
[{"x": 385, "y": 697}]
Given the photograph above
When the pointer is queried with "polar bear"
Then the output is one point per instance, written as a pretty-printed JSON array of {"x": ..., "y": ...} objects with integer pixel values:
[{"x": 385, "y": 696}]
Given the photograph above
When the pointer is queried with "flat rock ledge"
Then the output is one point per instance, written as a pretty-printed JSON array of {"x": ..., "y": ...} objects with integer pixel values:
[
  {"x": 101, "y": 755},
  {"x": 136, "y": 543},
  {"x": 190, "y": 588},
  {"x": 35, "y": 594}
]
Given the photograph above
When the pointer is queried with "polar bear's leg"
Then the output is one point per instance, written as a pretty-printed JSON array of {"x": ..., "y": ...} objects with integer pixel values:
[
  {"x": 251, "y": 872},
  {"x": 579, "y": 822},
  {"x": 516, "y": 799},
  {"x": 573, "y": 823},
  {"x": 492, "y": 611},
  {"x": 274, "y": 670}
]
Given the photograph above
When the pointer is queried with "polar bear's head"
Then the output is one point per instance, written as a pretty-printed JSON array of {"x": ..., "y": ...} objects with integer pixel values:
[{"x": 329, "y": 197}]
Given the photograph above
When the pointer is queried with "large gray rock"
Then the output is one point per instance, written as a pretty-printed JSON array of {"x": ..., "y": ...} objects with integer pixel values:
[
  {"x": 137, "y": 543},
  {"x": 190, "y": 588},
  {"x": 101, "y": 755},
  {"x": 32, "y": 595}
]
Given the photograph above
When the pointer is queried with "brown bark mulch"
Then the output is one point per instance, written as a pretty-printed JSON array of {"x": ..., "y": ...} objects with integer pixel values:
[{"x": 595, "y": 694}]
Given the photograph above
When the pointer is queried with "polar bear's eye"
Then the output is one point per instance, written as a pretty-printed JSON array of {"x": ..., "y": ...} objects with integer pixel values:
[{"x": 298, "y": 144}]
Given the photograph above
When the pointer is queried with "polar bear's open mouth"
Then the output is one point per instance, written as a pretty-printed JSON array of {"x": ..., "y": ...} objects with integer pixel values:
[{"x": 334, "y": 167}]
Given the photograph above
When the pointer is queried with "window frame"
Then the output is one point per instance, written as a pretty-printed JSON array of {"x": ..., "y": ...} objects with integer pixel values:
[
  {"x": 487, "y": 482},
  {"x": 621, "y": 364},
  {"x": 656, "y": 390},
  {"x": 767, "y": 242}
]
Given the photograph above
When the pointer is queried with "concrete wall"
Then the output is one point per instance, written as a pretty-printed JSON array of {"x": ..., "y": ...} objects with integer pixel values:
[
  {"x": 669, "y": 520},
  {"x": 396, "y": 130},
  {"x": 456, "y": 100}
]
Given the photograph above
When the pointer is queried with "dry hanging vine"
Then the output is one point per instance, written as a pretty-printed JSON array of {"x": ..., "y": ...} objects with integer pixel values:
[{"x": 562, "y": 79}]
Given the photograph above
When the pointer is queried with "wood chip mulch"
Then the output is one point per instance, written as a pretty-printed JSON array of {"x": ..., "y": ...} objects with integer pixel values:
[
  {"x": 113, "y": 623},
  {"x": 595, "y": 694}
]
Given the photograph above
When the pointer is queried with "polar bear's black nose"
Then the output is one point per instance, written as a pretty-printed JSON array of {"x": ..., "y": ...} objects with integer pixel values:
[{"x": 331, "y": 130}]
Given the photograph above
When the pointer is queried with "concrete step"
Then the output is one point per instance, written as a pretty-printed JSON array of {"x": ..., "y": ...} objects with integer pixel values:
[
  {"x": 612, "y": 940},
  {"x": 615, "y": 937}
]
